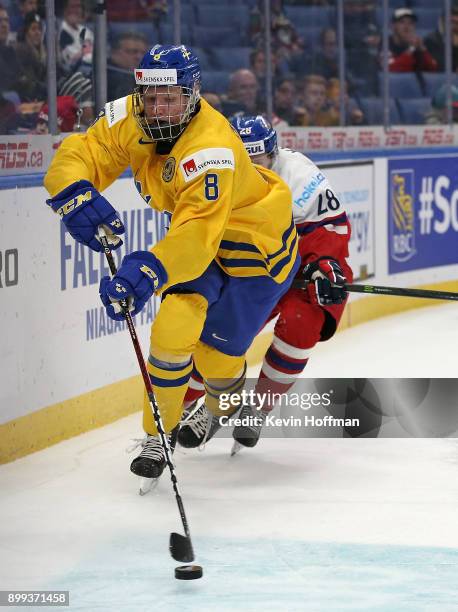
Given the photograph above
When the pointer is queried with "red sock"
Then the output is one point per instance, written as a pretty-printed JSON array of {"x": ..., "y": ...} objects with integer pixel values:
[
  {"x": 282, "y": 366},
  {"x": 196, "y": 389}
]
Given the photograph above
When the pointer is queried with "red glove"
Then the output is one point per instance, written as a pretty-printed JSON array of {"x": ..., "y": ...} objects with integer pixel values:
[{"x": 328, "y": 279}]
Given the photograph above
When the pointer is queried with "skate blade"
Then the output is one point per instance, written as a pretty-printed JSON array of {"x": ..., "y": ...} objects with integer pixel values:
[
  {"x": 147, "y": 485},
  {"x": 236, "y": 447}
]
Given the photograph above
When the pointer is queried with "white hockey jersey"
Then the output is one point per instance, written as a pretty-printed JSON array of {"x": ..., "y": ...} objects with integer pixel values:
[
  {"x": 320, "y": 218},
  {"x": 314, "y": 201}
]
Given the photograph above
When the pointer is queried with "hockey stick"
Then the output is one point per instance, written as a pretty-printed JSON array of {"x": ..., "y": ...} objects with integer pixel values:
[
  {"x": 399, "y": 291},
  {"x": 180, "y": 546}
]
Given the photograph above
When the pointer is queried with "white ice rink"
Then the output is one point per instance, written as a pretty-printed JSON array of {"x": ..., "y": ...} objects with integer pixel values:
[{"x": 298, "y": 524}]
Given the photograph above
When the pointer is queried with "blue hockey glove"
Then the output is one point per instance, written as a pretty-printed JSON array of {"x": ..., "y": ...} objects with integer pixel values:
[
  {"x": 326, "y": 281},
  {"x": 139, "y": 276},
  {"x": 82, "y": 210}
]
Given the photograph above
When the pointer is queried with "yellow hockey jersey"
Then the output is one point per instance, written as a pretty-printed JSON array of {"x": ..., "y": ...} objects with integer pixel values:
[{"x": 222, "y": 206}]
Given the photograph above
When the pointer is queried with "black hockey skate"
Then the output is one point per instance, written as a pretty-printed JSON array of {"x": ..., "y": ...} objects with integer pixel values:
[
  {"x": 198, "y": 426},
  {"x": 249, "y": 433},
  {"x": 151, "y": 462}
]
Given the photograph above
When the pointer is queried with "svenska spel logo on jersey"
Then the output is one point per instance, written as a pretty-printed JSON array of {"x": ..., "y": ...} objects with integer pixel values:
[
  {"x": 207, "y": 160},
  {"x": 402, "y": 215},
  {"x": 189, "y": 167}
]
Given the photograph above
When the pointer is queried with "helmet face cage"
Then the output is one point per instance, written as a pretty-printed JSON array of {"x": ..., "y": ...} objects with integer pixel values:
[
  {"x": 165, "y": 122},
  {"x": 257, "y": 135},
  {"x": 168, "y": 85}
]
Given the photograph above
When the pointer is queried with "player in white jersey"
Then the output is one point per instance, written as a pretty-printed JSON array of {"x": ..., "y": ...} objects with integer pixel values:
[{"x": 305, "y": 317}]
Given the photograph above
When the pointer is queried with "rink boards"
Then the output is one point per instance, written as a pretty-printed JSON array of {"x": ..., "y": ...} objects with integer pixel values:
[{"x": 66, "y": 368}]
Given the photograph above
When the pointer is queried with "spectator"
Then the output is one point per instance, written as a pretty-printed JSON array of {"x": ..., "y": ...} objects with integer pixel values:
[
  {"x": 323, "y": 62},
  {"x": 66, "y": 115},
  {"x": 435, "y": 42},
  {"x": 363, "y": 62},
  {"x": 31, "y": 56},
  {"x": 136, "y": 10},
  {"x": 242, "y": 93},
  {"x": 8, "y": 116},
  {"x": 75, "y": 39},
  {"x": 156, "y": 9},
  {"x": 27, "y": 116},
  {"x": 286, "y": 110},
  {"x": 21, "y": 8},
  {"x": 438, "y": 113},
  {"x": 407, "y": 50},
  {"x": 9, "y": 99},
  {"x": 149, "y": 11},
  {"x": 357, "y": 14},
  {"x": 317, "y": 111},
  {"x": 353, "y": 114},
  {"x": 8, "y": 60},
  {"x": 80, "y": 87},
  {"x": 286, "y": 42},
  {"x": 126, "y": 53},
  {"x": 258, "y": 66},
  {"x": 256, "y": 22}
]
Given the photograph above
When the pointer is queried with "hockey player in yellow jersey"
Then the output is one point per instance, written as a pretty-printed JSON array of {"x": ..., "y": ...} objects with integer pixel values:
[{"x": 230, "y": 252}]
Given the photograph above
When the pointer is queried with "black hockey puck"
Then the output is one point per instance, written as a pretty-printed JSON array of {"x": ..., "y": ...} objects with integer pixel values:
[{"x": 188, "y": 572}]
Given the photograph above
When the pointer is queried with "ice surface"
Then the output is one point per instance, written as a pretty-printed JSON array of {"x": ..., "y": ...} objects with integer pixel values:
[{"x": 298, "y": 524}]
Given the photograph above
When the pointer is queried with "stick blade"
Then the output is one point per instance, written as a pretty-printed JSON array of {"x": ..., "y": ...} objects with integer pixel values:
[{"x": 181, "y": 548}]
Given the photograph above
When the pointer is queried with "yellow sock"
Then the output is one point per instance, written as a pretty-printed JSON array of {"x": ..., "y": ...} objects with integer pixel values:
[
  {"x": 224, "y": 375},
  {"x": 170, "y": 381},
  {"x": 174, "y": 335}
]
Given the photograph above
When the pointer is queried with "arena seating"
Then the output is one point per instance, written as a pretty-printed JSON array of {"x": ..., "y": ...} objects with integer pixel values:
[
  {"x": 373, "y": 111},
  {"x": 218, "y": 32},
  {"x": 402, "y": 85},
  {"x": 413, "y": 110}
]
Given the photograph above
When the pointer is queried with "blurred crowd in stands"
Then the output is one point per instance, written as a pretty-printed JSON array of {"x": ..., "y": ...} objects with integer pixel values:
[{"x": 229, "y": 38}]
